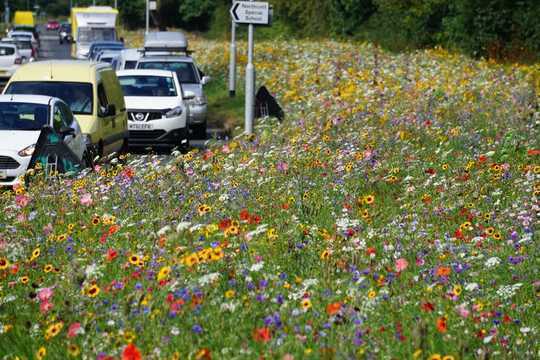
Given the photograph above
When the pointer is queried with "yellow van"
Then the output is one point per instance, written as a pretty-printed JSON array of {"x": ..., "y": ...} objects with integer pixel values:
[
  {"x": 90, "y": 89},
  {"x": 23, "y": 18}
]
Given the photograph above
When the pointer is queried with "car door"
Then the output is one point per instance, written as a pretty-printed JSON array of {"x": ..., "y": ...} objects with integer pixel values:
[{"x": 76, "y": 143}]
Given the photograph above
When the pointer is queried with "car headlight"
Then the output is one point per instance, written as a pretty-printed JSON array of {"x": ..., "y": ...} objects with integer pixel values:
[
  {"x": 177, "y": 111},
  {"x": 27, "y": 151},
  {"x": 199, "y": 100}
]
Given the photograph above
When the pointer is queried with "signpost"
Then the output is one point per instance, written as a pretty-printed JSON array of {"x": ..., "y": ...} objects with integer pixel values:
[
  {"x": 250, "y": 13},
  {"x": 151, "y": 5},
  {"x": 232, "y": 61}
]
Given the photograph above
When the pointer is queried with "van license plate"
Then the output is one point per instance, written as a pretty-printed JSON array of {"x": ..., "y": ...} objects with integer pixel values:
[
  {"x": 3, "y": 174},
  {"x": 143, "y": 126}
]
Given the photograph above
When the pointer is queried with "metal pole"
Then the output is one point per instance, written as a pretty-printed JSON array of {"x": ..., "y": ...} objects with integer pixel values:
[
  {"x": 116, "y": 4},
  {"x": 232, "y": 61},
  {"x": 250, "y": 85},
  {"x": 6, "y": 13},
  {"x": 147, "y": 16}
]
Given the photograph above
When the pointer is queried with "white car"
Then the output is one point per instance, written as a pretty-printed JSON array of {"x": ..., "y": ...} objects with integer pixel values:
[
  {"x": 10, "y": 60},
  {"x": 24, "y": 35},
  {"x": 25, "y": 48},
  {"x": 128, "y": 58},
  {"x": 21, "y": 119},
  {"x": 157, "y": 108}
]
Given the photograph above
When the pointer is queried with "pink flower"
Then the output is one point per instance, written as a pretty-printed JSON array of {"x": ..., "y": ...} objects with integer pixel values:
[
  {"x": 45, "y": 294},
  {"x": 22, "y": 200},
  {"x": 47, "y": 229},
  {"x": 463, "y": 311},
  {"x": 86, "y": 200},
  {"x": 420, "y": 262},
  {"x": 45, "y": 306},
  {"x": 74, "y": 329},
  {"x": 401, "y": 264},
  {"x": 282, "y": 166}
]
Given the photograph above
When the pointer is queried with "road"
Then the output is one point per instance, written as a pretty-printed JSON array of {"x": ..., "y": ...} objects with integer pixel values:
[{"x": 51, "y": 49}]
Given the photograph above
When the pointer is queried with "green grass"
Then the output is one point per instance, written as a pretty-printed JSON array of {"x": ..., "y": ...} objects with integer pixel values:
[{"x": 223, "y": 111}]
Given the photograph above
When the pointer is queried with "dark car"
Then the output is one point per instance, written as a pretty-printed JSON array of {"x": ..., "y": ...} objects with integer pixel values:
[
  {"x": 64, "y": 34},
  {"x": 99, "y": 46}
]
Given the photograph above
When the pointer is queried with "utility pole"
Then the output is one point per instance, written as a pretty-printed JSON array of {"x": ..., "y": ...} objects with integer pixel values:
[
  {"x": 232, "y": 60},
  {"x": 116, "y": 4},
  {"x": 6, "y": 13},
  {"x": 147, "y": 16}
]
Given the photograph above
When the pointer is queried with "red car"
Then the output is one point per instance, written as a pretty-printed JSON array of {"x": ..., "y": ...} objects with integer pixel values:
[{"x": 53, "y": 25}]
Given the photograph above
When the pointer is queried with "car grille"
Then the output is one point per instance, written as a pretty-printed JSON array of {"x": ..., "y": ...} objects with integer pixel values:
[
  {"x": 146, "y": 134},
  {"x": 148, "y": 115},
  {"x": 7, "y": 163}
]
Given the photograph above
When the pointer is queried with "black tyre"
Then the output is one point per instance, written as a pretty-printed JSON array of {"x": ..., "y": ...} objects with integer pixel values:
[{"x": 199, "y": 131}]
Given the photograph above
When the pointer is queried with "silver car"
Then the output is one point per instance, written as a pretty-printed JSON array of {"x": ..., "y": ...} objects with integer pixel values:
[{"x": 168, "y": 51}]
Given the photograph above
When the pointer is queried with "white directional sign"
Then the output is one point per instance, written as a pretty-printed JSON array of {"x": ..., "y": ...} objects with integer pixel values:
[{"x": 251, "y": 12}]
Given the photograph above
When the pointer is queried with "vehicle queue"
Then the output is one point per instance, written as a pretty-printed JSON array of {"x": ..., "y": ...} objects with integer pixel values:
[{"x": 109, "y": 99}]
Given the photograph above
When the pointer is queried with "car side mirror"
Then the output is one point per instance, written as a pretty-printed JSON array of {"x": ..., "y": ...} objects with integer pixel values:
[
  {"x": 189, "y": 95},
  {"x": 205, "y": 80},
  {"x": 66, "y": 131},
  {"x": 111, "y": 110}
]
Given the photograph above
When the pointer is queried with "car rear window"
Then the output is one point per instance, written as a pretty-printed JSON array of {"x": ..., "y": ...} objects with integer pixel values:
[
  {"x": 146, "y": 85},
  {"x": 6, "y": 51},
  {"x": 185, "y": 70},
  {"x": 130, "y": 65}
]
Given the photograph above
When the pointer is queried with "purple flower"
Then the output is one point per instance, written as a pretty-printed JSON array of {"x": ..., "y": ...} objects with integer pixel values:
[{"x": 197, "y": 329}]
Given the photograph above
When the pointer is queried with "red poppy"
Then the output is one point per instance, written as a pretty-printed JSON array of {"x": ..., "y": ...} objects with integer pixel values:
[
  {"x": 262, "y": 335},
  {"x": 370, "y": 251},
  {"x": 333, "y": 308},
  {"x": 427, "y": 307},
  {"x": 482, "y": 158},
  {"x": 131, "y": 353},
  {"x": 244, "y": 215},
  {"x": 441, "y": 325},
  {"x": 254, "y": 219},
  {"x": 113, "y": 229},
  {"x": 225, "y": 224},
  {"x": 533, "y": 152},
  {"x": 430, "y": 171},
  {"x": 285, "y": 206},
  {"x": 111, "y": 254}
]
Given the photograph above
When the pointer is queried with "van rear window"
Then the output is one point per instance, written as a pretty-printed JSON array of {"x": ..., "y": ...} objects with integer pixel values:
[
  {"x": 6, "y": 51},
  {"x": 78, "y": 96}
]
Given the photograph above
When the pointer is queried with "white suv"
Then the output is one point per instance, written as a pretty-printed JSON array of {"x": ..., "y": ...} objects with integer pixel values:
[
  {"x": 10, "y": 60},
  {"x": 156, "y": 106}
]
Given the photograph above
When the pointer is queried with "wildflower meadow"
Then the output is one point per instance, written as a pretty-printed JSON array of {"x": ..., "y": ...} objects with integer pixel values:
[{"x": 393, "y": 214}]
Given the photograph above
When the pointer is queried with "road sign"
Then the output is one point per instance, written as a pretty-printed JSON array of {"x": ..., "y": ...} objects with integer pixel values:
[
  {"x": 152, "y": 5},
  {"x": 251, "y": 12}
]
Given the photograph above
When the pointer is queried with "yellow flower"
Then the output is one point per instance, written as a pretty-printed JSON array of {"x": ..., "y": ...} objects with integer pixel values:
[
  {"x": 306, "y": 304},
  {"x": 417, "y": 354},
  {"x": 129, "y": 336},
  {"x": 164, "y": 273},
  {"x": 371, "y": 294},
  {"x": 203, "y": 209},
  {"x": 4, "y": 263},
  {"x": 73, "y": 350},
  {"x": 93, "y": 291},
  {"x": 369, "y": 199},
  {"x": 53, "y": 330},
  {"x": 457, "y": 290},
  {"x": 448, "y": 357},
  {"x": 271, "y": 234},
  {"x": 325, "y": 255},
  {"x": 229, "y": 294},
  {"x": 435, "y": 357},
  {"x": 41, "y": 353},
  {"x": 24, "y": 279},
  {"x": 134, "y": 259},
  {"x": 35, "y": 254},
  {"x": 48, "y": 268}
]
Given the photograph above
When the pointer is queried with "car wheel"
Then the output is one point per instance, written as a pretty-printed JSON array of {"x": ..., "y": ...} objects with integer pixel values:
[
  {"x": 125, "y": 147},
  {"x": 199, "y": 130}
]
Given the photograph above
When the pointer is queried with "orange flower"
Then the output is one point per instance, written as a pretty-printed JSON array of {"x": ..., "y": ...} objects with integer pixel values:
[
  {"x": 441, "y": 324},
  {"x": 443, "y": 271},
  {"x": 262, "y": 335},
  {"x": 131, "y": 353},
  {"x": 332, "y": 309}
]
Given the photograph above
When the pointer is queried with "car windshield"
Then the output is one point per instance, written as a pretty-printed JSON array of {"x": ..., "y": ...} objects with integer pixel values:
[
  {"x": 141, "y": 85},
  {"x": 23, "y": 116},
  {"x": 185, "y": 70},
  {"x": 87, "y": 35},
  {"x": 77, "y": 95},
  {"x": 21, "y": 37}
]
